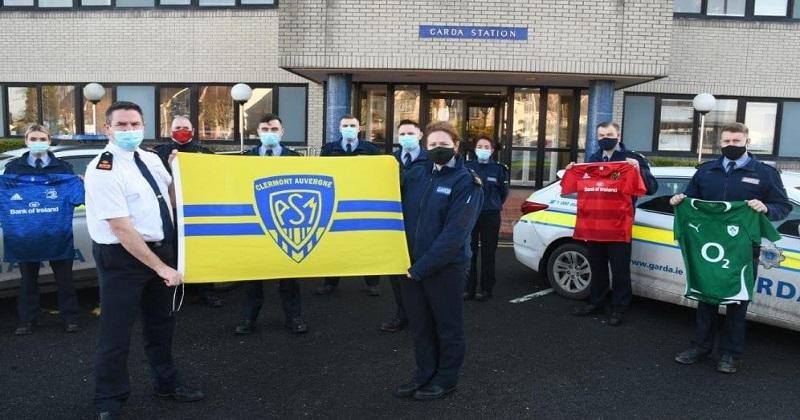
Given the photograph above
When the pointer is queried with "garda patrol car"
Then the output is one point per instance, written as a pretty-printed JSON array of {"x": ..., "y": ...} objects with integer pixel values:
[
  {"x": 543, "y": 241},
  {"x": 83, "y": 268}
]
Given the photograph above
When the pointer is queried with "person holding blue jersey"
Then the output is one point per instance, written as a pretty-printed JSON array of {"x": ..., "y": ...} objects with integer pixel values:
[
  {"x": 441, "y": 201},
  {"x": 494, "y": 176},
  {"x": 38, "y": 160}
]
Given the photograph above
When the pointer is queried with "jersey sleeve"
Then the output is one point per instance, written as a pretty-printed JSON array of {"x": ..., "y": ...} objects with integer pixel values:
[
  {"x": 77, "y": 194},
  {"x": 569, "y": 184},
  {"x": 766, "y": 229},
  {"x": 635, "y": 185}
]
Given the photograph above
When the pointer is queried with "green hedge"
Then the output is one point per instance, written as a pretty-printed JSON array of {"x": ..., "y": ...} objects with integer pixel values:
[
  {"x": 11, "y": 144},
  {"x": 672, "y": 161}
]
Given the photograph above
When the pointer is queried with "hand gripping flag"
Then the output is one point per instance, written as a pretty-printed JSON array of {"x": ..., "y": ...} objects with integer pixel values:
[{"x": 251, "y": 218}]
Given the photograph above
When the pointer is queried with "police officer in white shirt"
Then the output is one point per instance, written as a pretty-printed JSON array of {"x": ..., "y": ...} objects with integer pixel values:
[{"x": 129, "y": 215}]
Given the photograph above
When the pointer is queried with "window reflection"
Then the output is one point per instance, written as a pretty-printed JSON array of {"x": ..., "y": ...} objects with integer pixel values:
[
  {"x": 373, "y": 112},
  {"x": 449, "y": 110},
  {"x": 174, "y": 101},
  {"x": 724, "y": 112},
  {"x": 215, "y": 113},
  {"x": 771, "y": 7},
  {"x": 58, "y": 109},
  {"x": 760, "y": 119},
  {"x": 726, "y": 7},
  {"x": 523, "y": 167},
  {"x": 677, "y": 116},
  {"x": 526, "y": 118},
  {"x": 23, "y": 109},
  {"x": 406, "y": 105},
  {"x": 259, "y": 105},
  {"x": 93, "y": 121}
]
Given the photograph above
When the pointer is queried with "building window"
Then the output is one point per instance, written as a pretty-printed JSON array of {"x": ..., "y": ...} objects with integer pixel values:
[
  {"x": 23, "y": 109},
  {"x": 293, "y": 108},
  {"x": 95, "y": 2},
  {"x": 677, "y": 119},
  {"x": 726, "y": 7},
  {"x": 771, "y": 7},
  {"x": 55, "y": 3},
  {"x": 217, "y": 2},
  {"x": 173, "y": 101},
  {"x": 373, "y": 112},
  {"x": 135, "y": 3},
  {"x": 95, "y": 118},
  {"x": 58, "y": 109},
  {"x": 406, "y": 105},
  {"x": 526, "y": 118},
  {"x": 175, "y": 2},
  {"x": 17, "y": 3},
  {"x": 215, "y": 113},
  {"x": 260, "y": 104},
  {"x": 145, "y": 97},
  {"x": 724, "y": 113},
  {"x": 760, "y": 118},
  {"x": 688, "y": 6}
]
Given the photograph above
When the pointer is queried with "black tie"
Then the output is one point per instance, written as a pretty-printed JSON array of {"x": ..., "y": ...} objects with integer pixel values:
[
  {"x": 39, "y": 163},
  {"x": 166, "y": 220},
  {"x": 731, "y": 165},
  {"x": 605, "y": 158},
  {"x": 349, "y": 148},
  {"x": 407, "y": 159},
  {"x": 269, "y": 152}
]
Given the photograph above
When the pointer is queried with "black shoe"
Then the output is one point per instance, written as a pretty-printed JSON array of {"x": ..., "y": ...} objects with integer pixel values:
[
  {"x": 615, "y": 320},
  {"x": 373, "y": 291},
  {"x": 432, "y": 392},
  {"x": 394, "y": 325},
  {"x": 297, "y": 326},
  {"x": 589, "y": 309},
  {"x": 182, "y": 393},
  {"x": 25, "y": 328},
  {"x": 72, "y": 327},
  {"x": 406, "y": 390},
  {"x": 483, "y": 296},
  {"x": 107, "y": 415},
  {"x": 727, "y": 364},
  {"x": 468, "y": 295},
  {"x": 690, "y": 356},
  {"x": 245, "y": 327},
  {"x": 325, "y": 290},
  {"x": 213, "y": 301}
]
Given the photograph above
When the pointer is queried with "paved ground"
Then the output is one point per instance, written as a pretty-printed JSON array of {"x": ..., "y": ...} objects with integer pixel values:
[{"x": 526, "y": 360}]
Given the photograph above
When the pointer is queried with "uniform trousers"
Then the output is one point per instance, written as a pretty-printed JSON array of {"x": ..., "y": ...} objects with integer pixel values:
[
  {"x": 434, "y": 307},
  {"x": 127, "y": 286}
]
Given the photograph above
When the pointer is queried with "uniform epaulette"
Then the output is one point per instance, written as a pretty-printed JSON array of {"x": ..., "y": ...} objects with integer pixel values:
[
  {"x": 106, "y": 161},
  {"x": 475, "y": 178}
]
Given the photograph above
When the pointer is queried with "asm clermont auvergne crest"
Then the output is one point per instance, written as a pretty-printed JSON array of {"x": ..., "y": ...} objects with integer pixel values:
[{"x": 296, "y": 211}]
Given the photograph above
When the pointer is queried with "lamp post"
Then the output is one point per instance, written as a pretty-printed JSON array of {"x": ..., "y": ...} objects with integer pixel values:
[
  {"x": 703, "y": 103},
  {"x": 241, "y": 93},
  {"x": 94, "y": 92}
]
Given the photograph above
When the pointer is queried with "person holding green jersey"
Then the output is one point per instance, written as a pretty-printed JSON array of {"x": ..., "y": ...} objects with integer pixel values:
[{"x": 739, "y": 178}]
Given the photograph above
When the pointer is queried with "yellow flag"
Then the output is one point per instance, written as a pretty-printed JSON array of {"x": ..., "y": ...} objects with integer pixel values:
[{"x": 251, "y": 217}]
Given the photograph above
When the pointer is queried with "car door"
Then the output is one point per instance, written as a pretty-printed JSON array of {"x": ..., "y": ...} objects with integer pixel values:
[{"x": 657, "y": 268}]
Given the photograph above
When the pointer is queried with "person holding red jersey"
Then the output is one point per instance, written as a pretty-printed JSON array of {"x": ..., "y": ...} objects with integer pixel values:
[{"x": 605, "y": 219}]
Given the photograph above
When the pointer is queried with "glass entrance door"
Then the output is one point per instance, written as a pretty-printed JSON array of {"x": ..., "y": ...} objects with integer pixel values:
[{"x": 470, "y": 116}]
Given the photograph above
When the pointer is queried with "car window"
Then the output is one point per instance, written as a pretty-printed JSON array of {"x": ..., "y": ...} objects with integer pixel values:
[
  {"x": 791, "y": 226},
  {"x": 78, "y": 163},
  {"x": 659, "y": 202}
]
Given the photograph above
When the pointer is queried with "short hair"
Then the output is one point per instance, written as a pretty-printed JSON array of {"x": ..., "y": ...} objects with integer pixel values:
[
  {"x": 408, "y": 122},
  {"x": 440, "y": 126},
  {"x": 270, "y": 117},
  {"x": 36, "y": 128},
  {"x": 736, "y": 127},
  {"x": 182, "y": 117},
  {"x": 123, "y": 105},
  {"x": 349, "y": 117},
  {"x": 607, "y": 124},
  {"x": 487, "y": 138}
]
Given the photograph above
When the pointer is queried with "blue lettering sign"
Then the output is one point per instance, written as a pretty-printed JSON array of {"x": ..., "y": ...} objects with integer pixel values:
[{"x": 496, "y": 33}]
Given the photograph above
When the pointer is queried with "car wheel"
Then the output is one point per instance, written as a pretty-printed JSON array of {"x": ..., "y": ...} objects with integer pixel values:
[{"x": 569, "y": 272}]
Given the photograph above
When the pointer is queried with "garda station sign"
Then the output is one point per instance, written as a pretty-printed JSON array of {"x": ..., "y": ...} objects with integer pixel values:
[{"x": 495, "y": 33}]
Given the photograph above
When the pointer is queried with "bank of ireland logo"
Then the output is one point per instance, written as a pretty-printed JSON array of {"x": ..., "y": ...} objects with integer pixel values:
[
  {"x": 733, "y": 230},
  {"x": 296, "y": 211}
]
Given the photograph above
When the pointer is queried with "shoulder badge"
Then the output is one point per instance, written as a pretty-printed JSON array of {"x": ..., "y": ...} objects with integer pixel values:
[
  {"x": 106, "y": 161},
  {"x": 475, "y": 178}
]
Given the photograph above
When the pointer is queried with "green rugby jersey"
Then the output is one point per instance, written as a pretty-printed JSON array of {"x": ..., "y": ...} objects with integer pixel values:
[{"x": 716, "y": 240}]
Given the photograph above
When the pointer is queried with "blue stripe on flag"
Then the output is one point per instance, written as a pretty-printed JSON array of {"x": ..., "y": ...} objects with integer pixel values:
[
  {"x": 211, "y": 210},
  {"x": 222, "y": 229},
  {"x": 347, "y": 225},
  {"x": 369, "y": 205}
]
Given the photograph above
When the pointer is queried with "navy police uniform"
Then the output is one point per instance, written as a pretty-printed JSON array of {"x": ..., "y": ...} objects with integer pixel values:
[
  {"x": 440, "y": 207},
  {"x": 750, "y": 180},
  {"x": 289, "y": 289},
  {"x": 28, "y": 300},
  {"x": 121, "y": 183},
  {"x": 487, "y": 229},
  {"x": 336, "y": 148},
  {"x": 616, "y": 254}
]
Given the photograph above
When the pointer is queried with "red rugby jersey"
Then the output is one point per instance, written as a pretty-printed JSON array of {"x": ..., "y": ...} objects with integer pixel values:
[{"x": 605, "y": 199}]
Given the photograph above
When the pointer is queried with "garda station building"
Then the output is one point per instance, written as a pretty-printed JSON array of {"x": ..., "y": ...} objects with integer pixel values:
[{"x": 535, "y": 75}]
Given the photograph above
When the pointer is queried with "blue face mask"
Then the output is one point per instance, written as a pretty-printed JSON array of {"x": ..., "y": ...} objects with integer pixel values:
[
  {"x": 483, "y": 154},
  {"x": 128, "y": 140},
  {"x": 269, "y": 139},
  {"x": 349, "y": 133},
  {"x": 38, "y": 147},
  {"x": 409, "y": 142}
]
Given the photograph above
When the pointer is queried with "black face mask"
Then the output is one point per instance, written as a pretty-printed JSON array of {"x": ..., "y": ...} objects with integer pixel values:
[
  {"x": 733, "y": 152},
  {"x": 441, "y": 155},
  {"x": 607, "y": 143}
]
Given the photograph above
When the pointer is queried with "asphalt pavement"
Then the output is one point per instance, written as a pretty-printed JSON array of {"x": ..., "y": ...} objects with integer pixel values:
[{"x": 524, "y": 360}]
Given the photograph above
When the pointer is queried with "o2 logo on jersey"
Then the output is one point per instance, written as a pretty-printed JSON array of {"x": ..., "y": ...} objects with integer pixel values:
[
  {"x": 719, "y": 251},
  {"x": 296, "y": 210}
]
